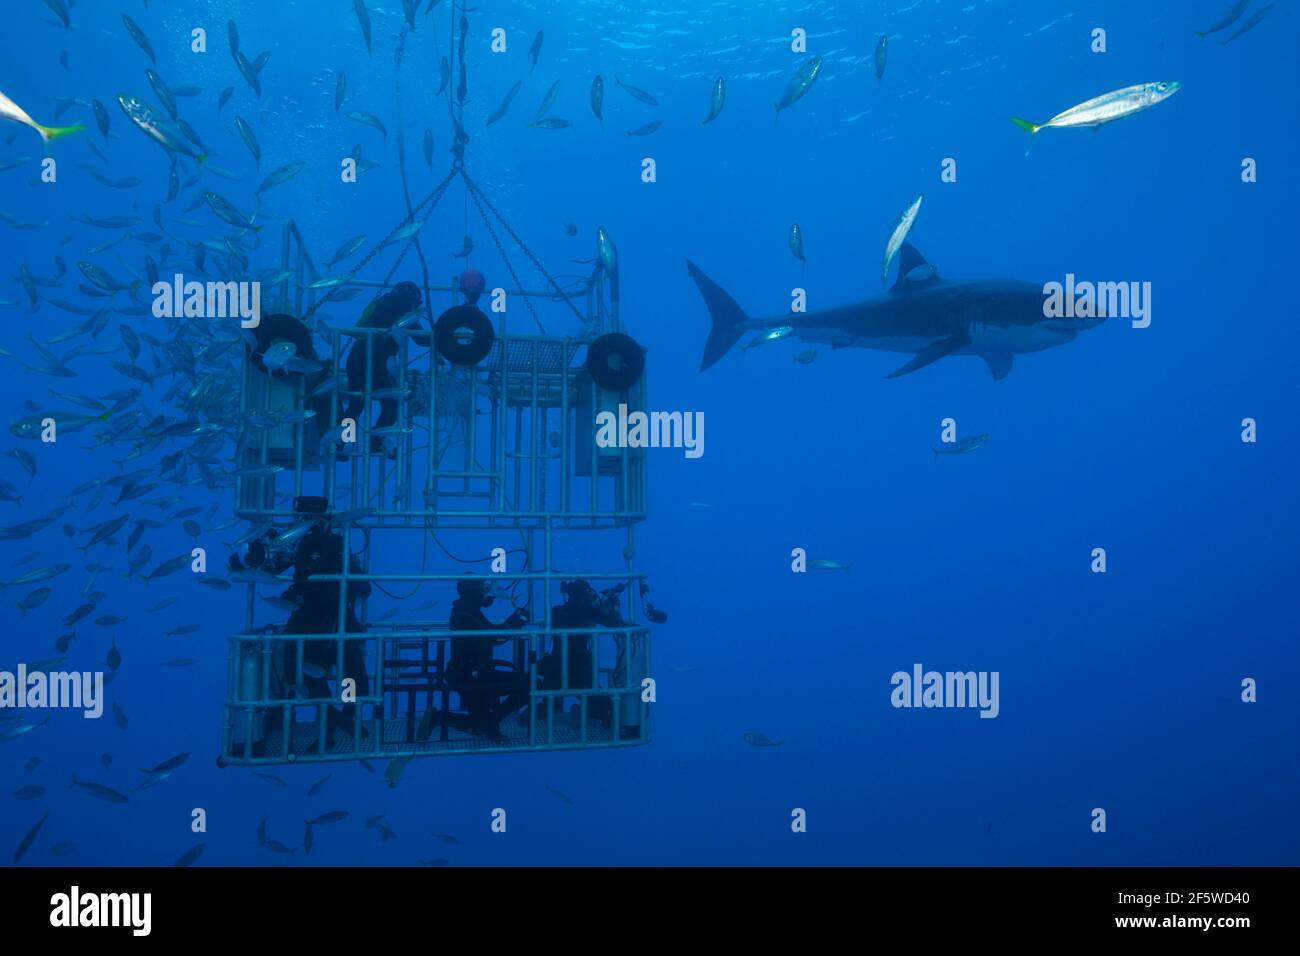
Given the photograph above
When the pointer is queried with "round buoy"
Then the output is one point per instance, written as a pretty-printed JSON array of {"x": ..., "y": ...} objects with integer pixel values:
[
  {"x": 279, "y": 336},
  {"x": 463, "y": 335},
  {"x": 615, "y": 361}
]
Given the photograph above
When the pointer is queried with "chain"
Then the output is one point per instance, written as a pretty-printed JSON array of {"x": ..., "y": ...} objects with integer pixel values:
[
  {"x": 435, "y": 197},
  {"x": 528, "y": 301},
  {"x": 480, "y": 196}
]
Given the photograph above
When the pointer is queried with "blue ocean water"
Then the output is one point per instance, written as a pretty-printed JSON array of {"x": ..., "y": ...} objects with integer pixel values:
[{"x": 1119, "y": 691}]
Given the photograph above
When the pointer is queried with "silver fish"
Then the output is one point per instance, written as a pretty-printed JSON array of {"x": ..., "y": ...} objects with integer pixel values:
[
  {"x": 250, "y": 140},
  {"x": 26, "y": 843},
  {"x": 598, "y": 97},
  {"x": 1228, "y": 19},
  {"x": 226, "y": 211},
  {"x": 637, "y": 93},
  {"x": 963, "y": 447},
  {"x": 157, "y": 128},
  {"x": 138, "y": 36},
  {"x": 800, "y": 83},
  {"x": 369, "y": 119},
  {"x": 1250, "y": 24},
  {"x": 896, "y": 238},
  {"x": 534, "y": 51},
  {"x": 1106, "y": 108},
  {"x": 247, "y": 72},
  {"x": 771, "y": 335},
  {"x": 99, "y": 792},
  {"x": 501, "y": 110},
  {"x": 40, "y": 574},
  {"x": 716, "y": 101},
  {"x": 363, "y": 19},
  {"x": 162, "y": 91},
  {"x": 795, "y": 241}
]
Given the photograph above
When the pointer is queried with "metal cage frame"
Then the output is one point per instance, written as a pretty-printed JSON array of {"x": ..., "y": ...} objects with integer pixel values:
[{"x": 526, "y": 462}]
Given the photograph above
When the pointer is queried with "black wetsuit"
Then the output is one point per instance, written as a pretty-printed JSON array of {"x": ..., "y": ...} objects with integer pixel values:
[
  {"x": 387, "y": 310},
  {"x": 473, "y": 670},
  {"x": 577, "y": 614},
  {"x": 321, "y": 552}
]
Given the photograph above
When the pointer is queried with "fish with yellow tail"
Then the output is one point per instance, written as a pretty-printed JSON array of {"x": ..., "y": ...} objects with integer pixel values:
[
  {"x": 12, "y": 111},
  {"x": 1105, "y": 108}
]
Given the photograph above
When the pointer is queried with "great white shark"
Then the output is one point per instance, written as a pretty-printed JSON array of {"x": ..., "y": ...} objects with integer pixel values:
[{"x": 928, "y": 317}]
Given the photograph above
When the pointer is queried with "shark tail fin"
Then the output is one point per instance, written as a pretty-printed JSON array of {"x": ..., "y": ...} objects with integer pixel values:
[{"x": 728, "y": 318}]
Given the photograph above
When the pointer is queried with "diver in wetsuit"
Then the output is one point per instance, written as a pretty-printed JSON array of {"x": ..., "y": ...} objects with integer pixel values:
[
  {"x": 487, "y": 693},
  {"x": 319, "y": 551},
  {"x": 584, "y": 607},
  {"x": 384, "y": 313}
]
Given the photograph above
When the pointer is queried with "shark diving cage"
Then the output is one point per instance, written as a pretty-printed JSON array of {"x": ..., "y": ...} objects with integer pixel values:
[{"x": 485, "y": 471}]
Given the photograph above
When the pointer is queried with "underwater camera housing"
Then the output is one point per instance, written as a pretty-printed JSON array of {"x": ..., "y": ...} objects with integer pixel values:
[
  {"x": 272, "y": 552},
  {"x": 608, "y": 601}
]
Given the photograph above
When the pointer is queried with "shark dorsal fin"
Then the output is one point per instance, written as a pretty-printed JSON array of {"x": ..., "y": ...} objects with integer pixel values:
[{"x": 912, "y": 263}]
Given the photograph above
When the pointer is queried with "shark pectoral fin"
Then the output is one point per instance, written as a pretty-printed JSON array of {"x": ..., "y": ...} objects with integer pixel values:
[
  {"x": 999, "y": 364},
  {"x": 932, "y": 353}
]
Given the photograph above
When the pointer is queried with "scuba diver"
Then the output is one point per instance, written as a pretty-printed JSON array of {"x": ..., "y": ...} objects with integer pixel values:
[
  {"x": 488, "y": 693},
  {"x": 318, "y": 551},
  {"x": 384, "y": 313},
  {"x": 583, "y": 607}
]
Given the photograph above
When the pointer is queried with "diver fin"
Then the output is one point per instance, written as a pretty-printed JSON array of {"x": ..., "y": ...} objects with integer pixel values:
[
  {"x": 932, "y": 353},
  {"x": 999, "y": 364},
  {"x": 728, "y": 318},
  {"x": 910, "y": 258}
]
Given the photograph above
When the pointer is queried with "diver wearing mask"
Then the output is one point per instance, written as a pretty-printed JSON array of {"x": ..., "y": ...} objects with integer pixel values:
[
  {"x": 583, "y": 607},
  {"x": 489, "y": 689}
]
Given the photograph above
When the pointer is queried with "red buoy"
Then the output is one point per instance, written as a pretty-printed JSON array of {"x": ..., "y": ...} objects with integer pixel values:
[{"x": 472, "y": 285}]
